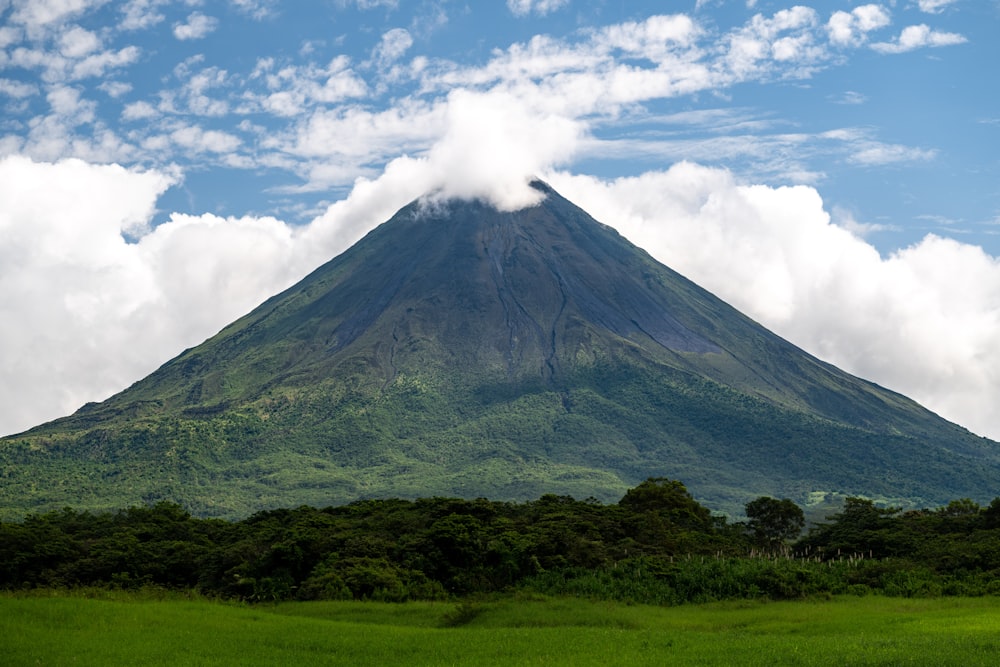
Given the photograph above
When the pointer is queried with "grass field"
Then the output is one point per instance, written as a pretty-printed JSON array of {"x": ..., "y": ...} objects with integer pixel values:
[{"x": 115, "y": 629}]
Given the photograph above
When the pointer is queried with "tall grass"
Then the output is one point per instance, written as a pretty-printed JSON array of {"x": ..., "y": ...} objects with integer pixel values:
[{"x": 700, "y": 579}]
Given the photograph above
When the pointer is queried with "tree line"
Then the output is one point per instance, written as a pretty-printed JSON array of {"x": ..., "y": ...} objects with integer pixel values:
[{"x": 656, "y": 545}]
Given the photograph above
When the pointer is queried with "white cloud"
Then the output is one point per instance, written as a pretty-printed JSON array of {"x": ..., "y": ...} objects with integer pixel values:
[
  {"x": 392, "y": 46},
  {"x": 494, "y": 145},
  {"x": 852, "y": 28},
  {"x": 115, "y": 89},
  {"x": 372, "y": 4},
  {"x": 197, "y": 140},
  {"x": 862, "y": 148},
  {"x": 918, "y": 36},
  {"x": 85, "y": 62},
  {"x": 540, "y": 7},
  {"x": 66, "y": 274},
  {"x": 256, "y": 9},
  {"x": 654, "y": 38},
  {"x": 362, "y": 136},
  {"x": 17, "y": 89},
  {"x": 102, "y": 312},
  {"x": 66, "y": 101},
  {"x": 878, "y": 154},
  {"x": 87, "y": 312},
  {"x": 844, "y": 218},
  {"x": 934, "y": 6},
  {"x": 787, "y": 37},
  {"x": 97, "y": 64},
  {"x": 196, "y": 91},
  {"x": 197, "y": 26},
  {"x": 291, "y": 90},
  {"x": 141, "y": 14},
  {"x": 77, "y": 42},
  {"x": 851, "y": 97},
  {"x": 139, "y": 111},
  {"x": 39, "y": 15},
  {"x": 9, "y": 35}
]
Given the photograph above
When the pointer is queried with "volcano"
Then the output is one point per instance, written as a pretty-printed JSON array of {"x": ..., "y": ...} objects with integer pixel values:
[{"x": 460, "y": 350}]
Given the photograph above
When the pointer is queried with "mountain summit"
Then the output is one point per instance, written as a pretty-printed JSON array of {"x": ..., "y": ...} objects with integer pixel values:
[{"x": 459, "y": 350}]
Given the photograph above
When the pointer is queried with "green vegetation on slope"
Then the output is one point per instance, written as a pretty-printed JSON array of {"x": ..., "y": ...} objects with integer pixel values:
[{"x": 602, "y": 430}]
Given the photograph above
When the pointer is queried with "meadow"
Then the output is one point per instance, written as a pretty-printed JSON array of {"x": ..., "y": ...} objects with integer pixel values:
[{"x": 102, "y": 627}]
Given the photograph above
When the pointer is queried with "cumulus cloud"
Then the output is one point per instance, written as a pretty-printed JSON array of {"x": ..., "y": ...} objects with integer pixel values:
[
  {"x": 786, "y": 36},
  {"x": 17, "y": 89},
  {"x": 78, "y": 42},
  {"x": 141, "y": 14},
  {"x": 139, "y": 111},
  {"x": 852, "y": 28},
  {"x": 66, "y": 281},
  {"x": 293, "y": 90},
  {"x": 39, "y": 15},
  {"x": 86, "y": 312},
  {"x": 197, "y": 140},
  {"x": 493, "y": 146},
  {"x": 197, "y": 26},
  {"x": 918, "y": 36}
]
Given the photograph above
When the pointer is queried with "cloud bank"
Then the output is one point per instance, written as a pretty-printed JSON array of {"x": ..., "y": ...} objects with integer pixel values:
[{"x": 85, "y": 312}]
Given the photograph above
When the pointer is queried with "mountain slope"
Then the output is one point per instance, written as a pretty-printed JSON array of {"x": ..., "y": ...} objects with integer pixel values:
[{"x": 458, "y": 350}]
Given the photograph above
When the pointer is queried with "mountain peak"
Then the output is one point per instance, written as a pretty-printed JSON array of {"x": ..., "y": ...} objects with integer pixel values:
[{"x": 459, "y": 349}]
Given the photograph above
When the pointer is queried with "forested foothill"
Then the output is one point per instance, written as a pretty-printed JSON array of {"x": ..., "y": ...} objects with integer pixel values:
[{"x": 656, "y": 545}]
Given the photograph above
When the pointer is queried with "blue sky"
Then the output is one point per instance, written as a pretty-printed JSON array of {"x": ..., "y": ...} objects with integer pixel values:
[{"x": 829, "y": 168}]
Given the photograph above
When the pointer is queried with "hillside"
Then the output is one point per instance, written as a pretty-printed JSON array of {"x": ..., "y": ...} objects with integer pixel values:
[{"x": 460, "y": 351}]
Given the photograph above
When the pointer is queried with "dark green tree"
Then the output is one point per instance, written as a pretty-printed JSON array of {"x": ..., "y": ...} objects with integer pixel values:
[
  {"x": 668, "y": 498},
  {"x": 772, "y": 522}
]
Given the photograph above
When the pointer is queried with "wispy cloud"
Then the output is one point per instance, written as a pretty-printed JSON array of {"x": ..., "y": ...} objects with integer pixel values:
[
  {"x": 851, "y": 97},
  {"x": 540, "y": 7},
  {"x": 934, "y": 6},
  {"x": 392, "y": 46},
  {"x": 879, "y": 154}
]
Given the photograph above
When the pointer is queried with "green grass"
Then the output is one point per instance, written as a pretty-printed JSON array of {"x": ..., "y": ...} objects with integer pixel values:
[{"x": 133, "y": 630}]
